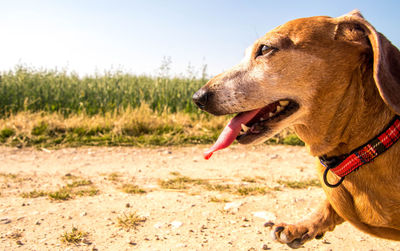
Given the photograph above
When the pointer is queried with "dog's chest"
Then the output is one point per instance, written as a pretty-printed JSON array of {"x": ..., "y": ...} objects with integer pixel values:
[
  {"x": 376, "y": 209},
  {"x": 372, "y": 199}
]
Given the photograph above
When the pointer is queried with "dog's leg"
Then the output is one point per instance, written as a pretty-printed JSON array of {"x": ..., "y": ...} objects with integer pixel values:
[{"x": 324, "y": 219}]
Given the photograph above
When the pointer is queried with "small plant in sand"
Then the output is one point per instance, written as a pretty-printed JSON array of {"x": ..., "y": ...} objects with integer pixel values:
[
  {"x": 8, "y": 175},
  {"x": 219, "y": 187},
  {"x": 79, "y": 183},
  {"x": 218, "y": 200},
  {"x": 75, "y": 236},
  {"x": 300, "y": 184},
  {"x": 249, "y": 180},
  {"x": 61, "y": 194},
  {"x": 242, "y": 190},
  {"x": 130, "y": 220},
  {"x": 251, "y": 190},
  {"x": 34, "y": 194},
  {"x": 90, "y": 191},
  {"x": 180, "y": 182},
  {"x": 115, "y": 176},
  {"x": 79, "y": 187},
  {"x": 132, "y": 189}
]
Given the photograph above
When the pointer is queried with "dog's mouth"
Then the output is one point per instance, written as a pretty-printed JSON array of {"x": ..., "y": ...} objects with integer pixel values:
[
  {"x": 248, "y": 126},
  {"x": 270, "y": 114}
]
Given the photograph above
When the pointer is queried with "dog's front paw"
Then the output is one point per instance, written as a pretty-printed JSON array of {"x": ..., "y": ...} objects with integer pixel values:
[{"x": 294, "y": 235}]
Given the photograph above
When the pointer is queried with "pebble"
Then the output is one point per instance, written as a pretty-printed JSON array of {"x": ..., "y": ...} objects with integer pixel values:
[
  {"x": 176, "y": 224},
  {"x": 5, "y": 221},
  {"x": 83, "y": 214},
  {"x": 233, "y": 206},
  {"x": 274, "y": 156},
  {"x": 265, "y": 247},
  {"x": 267, "y": 216}
]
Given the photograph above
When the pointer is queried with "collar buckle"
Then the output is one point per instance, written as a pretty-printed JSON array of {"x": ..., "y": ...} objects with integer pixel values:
[{"x": 330, "y": 163}]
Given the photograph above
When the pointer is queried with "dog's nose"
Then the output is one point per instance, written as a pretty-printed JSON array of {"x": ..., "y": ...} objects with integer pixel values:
[{"x": 201, "y": 97}]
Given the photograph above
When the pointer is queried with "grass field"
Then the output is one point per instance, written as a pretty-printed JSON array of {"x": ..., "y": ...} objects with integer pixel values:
[{"x": 50, "y": 108}]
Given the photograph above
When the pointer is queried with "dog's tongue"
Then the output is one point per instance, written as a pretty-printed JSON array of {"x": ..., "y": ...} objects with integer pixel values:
[{"x": 230, "y": 132}]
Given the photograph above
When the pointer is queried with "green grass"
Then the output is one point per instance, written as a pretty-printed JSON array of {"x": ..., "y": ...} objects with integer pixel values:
[
  {"x": 47, "y": 108},
  {"x": 27, "y": 89}
]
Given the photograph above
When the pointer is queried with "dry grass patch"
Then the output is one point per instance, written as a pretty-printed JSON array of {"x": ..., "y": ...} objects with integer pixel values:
[
  {"x": 75, "y": 236},
  {"x": 79, "y": 183},
  {"x": 181, "y": 182},
  {"x": 34, "y": 194},
  {"x": 249, "y": 180},
  {"x": 132, "y": 189},
  {"x": 115, "y": 176},
  {"x": 219, "y": 200},
  {"x": 130, "y": 220},
  {"x": 219, "y": 187},
  {"x": 82, "y": 187},
  {"x": 300, "y": 184},
  {"x": 251, "y": 190},
  {"x": 61, "y": 194},
  {"x": 243, "y": 190},
  {"x": 8, "y": 176},
  {"x": 139, "y": 126}
]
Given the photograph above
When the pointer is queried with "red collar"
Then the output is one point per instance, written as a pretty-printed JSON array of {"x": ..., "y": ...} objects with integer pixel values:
[{"x": 345, "y": 164}]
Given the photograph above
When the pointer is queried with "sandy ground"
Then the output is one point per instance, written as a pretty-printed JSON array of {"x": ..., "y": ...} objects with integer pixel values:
[{"x": 185, "y": 219}]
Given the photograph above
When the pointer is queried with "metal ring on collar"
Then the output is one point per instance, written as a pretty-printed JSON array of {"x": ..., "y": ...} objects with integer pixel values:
[{"x": 329, "y": 184}]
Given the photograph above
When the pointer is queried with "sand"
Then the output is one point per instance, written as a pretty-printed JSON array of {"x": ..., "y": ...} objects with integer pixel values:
[{"x": 192, "y": 218}]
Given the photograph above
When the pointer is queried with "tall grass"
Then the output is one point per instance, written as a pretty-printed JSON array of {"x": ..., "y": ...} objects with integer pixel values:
[
  {"x": 53, "y": 108},
  {"x": 25, "y": 89}
]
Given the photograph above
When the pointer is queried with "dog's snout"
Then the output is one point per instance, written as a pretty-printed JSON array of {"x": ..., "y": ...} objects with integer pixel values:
[{"x": 201, "y": 98}]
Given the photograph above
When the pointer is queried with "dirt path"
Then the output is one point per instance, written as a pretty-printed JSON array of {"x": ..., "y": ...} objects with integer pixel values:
[{"x": 210, "y": 211}]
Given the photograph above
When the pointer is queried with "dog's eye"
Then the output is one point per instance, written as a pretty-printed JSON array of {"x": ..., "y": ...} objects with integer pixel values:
[{"x": 265, "y": 49}]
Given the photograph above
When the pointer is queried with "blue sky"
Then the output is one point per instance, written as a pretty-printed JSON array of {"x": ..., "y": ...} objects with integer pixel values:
[{"x": 88, "y": 36}]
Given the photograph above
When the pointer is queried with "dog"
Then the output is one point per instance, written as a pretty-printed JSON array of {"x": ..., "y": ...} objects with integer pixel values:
[{"x": 336, "y": 81}]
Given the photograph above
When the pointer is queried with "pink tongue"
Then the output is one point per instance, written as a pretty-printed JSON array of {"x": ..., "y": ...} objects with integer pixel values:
[{"x": 230, "y": 132}]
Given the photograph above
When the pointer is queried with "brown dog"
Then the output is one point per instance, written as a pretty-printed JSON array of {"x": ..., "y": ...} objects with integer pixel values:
[{"x": 337, "y": 82}]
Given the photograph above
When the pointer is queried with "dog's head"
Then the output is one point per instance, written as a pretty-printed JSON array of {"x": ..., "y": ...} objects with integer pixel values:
[{"x": 287, "y": 76}]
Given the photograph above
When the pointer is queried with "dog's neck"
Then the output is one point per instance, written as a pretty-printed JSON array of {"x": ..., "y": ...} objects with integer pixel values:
[{"x": 359, "y": 116}]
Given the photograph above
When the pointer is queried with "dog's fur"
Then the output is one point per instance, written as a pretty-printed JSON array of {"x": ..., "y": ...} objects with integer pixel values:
[{"x": 346, "y": 78}]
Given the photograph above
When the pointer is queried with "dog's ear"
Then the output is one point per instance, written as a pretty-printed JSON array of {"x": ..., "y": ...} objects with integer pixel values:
[{"x": 386, "y": 57}]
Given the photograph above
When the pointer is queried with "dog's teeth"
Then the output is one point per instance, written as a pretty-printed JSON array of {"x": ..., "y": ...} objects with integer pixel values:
[
  {"x": 279, "y": 109},
  {"x": 284, "y": 102},
  {"x": 262, "y": 119},
  {"x": 271, "y": 114},
  {"x": 245, "y": 128}
]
